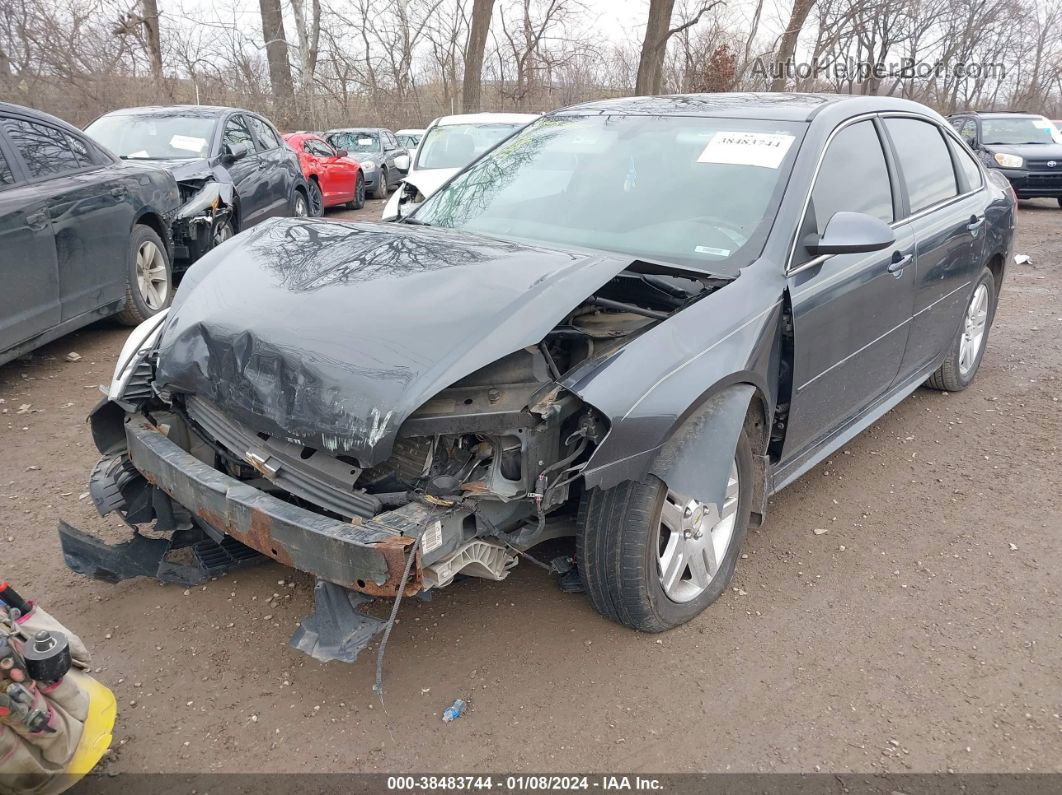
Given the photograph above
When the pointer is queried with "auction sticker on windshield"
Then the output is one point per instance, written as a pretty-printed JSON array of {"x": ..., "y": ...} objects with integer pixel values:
[
  {"x": 747, "y": 149},
  {"x": 187, "y": 142}
]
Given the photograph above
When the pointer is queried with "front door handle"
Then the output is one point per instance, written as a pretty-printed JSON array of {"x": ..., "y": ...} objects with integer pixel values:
[
  {"x": 37, "y": 221},
  {"x": 899, "y": 263},
  {"x": 975, "y": 223},
  {"x": 118, "y": 192}
]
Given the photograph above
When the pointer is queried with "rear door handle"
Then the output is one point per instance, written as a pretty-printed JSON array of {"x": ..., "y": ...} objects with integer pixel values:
[
  {"x": 975, "y": 222},
  {"x": 899, "y": 263},
  {"x": 37, "y": 221},
  {"x": 118, "y": 192}
]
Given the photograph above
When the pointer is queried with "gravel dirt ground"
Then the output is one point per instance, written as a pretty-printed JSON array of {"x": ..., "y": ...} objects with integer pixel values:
[{"x": 920, "y": 633}]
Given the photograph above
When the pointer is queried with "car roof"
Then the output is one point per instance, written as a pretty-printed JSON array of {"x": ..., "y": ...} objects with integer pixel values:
[
  {"x": 410, "y": 131},
  {"x": 1001, "y": 114},
  {"x": 197, "y": 111},
  {"x": 10, "y": 107},
  {"x": 780, "y": 106},
  {"x": 486, "y": 118}
]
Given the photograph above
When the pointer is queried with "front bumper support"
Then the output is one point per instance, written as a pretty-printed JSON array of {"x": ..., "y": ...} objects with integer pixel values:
[{"x": 368, "y": 557}]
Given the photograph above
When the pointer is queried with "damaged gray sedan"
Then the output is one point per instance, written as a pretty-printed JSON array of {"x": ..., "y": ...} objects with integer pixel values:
[{"x": 630, "y": 323}]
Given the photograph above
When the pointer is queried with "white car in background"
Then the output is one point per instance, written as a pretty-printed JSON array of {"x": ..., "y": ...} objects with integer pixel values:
[
  {"x": 449, "y": 144},
  {"x": 410, "y": 140}
]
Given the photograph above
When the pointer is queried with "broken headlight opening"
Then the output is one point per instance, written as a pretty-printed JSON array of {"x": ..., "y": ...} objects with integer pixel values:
[
  {"x": 207, "y": 204},
  {"x": 477, "y": 475}
]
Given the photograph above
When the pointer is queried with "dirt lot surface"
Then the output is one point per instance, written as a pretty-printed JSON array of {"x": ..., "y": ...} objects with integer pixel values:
[{"x": 921, "y": 632}]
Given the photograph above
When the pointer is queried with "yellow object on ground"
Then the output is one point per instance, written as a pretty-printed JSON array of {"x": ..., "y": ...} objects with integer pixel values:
[{"x": 99, "y": 724}]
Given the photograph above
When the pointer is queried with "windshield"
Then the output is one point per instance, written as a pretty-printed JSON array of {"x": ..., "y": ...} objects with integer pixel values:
[
  {"x": 457, "y": 145},
  {"x": 407, "y": 140},
  {"x": 1028, "y": 130},
  {"x": 142, "y": 137},
  {"x": 701, "y": 192},
  {"x": 355, "y": 140}
]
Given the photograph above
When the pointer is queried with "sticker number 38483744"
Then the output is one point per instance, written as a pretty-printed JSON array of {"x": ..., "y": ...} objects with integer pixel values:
[{"x": 747, "y": 149}]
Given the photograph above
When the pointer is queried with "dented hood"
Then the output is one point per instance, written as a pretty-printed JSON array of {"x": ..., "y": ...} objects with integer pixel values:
[{"x": 331, "y": 334}]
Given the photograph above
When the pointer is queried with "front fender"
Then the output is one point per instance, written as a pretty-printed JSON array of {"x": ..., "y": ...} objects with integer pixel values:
[{"x": 729, "y": 343}]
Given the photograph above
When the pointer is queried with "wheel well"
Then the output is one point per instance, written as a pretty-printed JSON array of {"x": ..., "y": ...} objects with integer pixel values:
[
  {"x": 995, "y": 265},
  {"x": 314, "y": 178},
  {"x": 756, "y": 427},
  {"x": 155, "y": 223}
]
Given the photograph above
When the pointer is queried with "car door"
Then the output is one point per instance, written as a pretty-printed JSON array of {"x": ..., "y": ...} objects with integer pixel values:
[
  {"x": 245, "y": 171},
  {"x": 29, "y": 302},
  {"x": 851, "y": 312},
  {"x": 391, "y": 150},
  {"x": 338, "y": 183},
  {"x": 88, "y": 208},
  {"x": 274, "y": 157},
  {"x": 946, "y": 199}
]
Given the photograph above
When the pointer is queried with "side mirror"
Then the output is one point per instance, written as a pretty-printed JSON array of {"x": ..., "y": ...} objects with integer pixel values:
[
  {"x": 853, "y": 233},
  {"x": 402, "y": 162},
  {"x": 342, "y": 153},
  {"x": 234, "y": 152}
]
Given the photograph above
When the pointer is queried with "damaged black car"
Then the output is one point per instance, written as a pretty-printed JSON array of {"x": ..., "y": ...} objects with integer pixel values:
[
  {"x": 231, "y": 165},
  {"x": 630, "y": 323}
]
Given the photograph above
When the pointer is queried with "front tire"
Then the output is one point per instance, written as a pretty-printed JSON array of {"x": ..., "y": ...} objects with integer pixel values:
[
  {"x": 651, "y": 559},
  {"x": 149, "y": 284},
  {"x": 380, "y": 191},
  {"x": 959, "y": 368}
]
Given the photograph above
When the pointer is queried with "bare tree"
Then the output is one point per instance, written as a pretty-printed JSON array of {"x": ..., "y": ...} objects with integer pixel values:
[
  {"x": 797, "y": 17},
  {"x": 471, "y": 86},
  {"x": 658, "y": 31},
  {"x": 276, "y": 44}
]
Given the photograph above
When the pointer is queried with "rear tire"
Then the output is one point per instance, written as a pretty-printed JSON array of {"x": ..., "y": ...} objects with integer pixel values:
[
  {"x": 964, "y": 357},
  {"x": 315, "y": 199},
  {"x": 380, "y": 191},
  {"x": 622, "y": 549},
  {"x": 300, "y": 208},
  {"x": 149, "y": 280},
  {"x": 359, "y": 194}
]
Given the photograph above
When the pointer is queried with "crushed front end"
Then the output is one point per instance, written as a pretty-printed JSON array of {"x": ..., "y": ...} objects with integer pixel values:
[{"x": 321, "y": 440}]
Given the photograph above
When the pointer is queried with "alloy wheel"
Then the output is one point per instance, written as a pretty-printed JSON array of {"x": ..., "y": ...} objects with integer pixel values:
[
  {"x": 301, "y": 208},
  {"x": 152, "y": 277},
  {"x": 973, "y": 330},
  {"x": 693, "y": 540},
  {"x": 316, "y": 201}
]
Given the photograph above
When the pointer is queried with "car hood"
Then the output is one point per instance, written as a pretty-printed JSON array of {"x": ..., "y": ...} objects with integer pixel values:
[
  {"x": 331, "y": 335},
  {"x": 1028, "y": 151},
  {"x": 429, "y": 180},
  {"x": 195, "y": 168}
]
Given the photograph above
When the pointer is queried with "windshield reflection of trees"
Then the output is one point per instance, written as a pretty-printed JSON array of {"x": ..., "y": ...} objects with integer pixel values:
[
  {"x": 469, "y": 195},
  {"x": 306, "y": 256}
]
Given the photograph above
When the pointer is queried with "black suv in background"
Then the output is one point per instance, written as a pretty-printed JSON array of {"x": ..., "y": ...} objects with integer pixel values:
[
  {"x": 232, "y": 166},
  {"x": 1026, "y": 147},
  {"x": 82, "y": 234}
]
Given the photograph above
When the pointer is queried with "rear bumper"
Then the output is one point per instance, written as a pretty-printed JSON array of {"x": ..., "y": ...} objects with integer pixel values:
[{"x": 368, "y": 557}]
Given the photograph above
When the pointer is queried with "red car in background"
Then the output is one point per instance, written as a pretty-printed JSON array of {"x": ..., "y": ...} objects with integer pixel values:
[{"x": 334, "y": 178}]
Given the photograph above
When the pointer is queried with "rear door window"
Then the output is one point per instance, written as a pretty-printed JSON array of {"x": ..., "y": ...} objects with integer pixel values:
[
  {"x": 262, "y": 133},
  {"x": 928, "y": 174},
  {"x": 46, "y": 151},
  {"x": 853, "y": 177},
  {"x": 7, "y": 177}
]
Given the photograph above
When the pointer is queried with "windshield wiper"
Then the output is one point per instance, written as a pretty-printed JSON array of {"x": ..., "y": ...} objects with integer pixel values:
[{"x": 412, "y": 221}]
